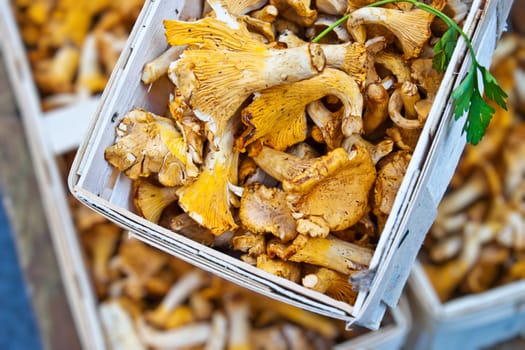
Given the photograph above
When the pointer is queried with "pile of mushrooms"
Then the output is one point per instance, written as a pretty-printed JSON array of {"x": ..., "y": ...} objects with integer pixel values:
[
  {"x": 150, "y": 300},
  {"x": 283, "y": 152},
  {"x": 478, "y": 239},
  {"x": 72, "y": 46}
]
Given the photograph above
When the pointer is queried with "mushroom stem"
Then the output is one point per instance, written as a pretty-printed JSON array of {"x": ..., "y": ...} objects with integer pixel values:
[
  {"x": 376, "y": 107},
  {"x": 238, "y": 312},
  {"x": 180, "y": 291},
  {"x": 90, "y": 77},
  {"x": 472, "y": 190},
  {"x": 331, "y": 252},
  {"x": 308, "y": 320},
  {"x": 156, "y": 68},
  {"x": 121, "y": 334},
  {"x": 409, "y": 95},
  {"x": 186, "y": 336},
  {"x": 219, "y": 328},
  {"x": 331, "y": 283},
  {"x": 395, "y": 106}
]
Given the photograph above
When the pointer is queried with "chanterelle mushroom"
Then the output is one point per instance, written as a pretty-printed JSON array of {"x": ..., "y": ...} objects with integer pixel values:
[
  {"x": 239, "y": 7},
  {"x": 201, "y": 76},
  {"x": 328, "y": 122},
  {"x": 340, "y": 200},
  {"x": 265, "y": 209},
  {"x": 209, "y": 33},
  {"x": 289, "y": 102},
  {"x": 151, "y": 200},
  {"x": 149, "y": 144},
  {"x": 298, "y": 11},
  {"x": 296, "y": 174},
  {"x": 208, "y": 199},
  {"x": 330, "y": 252},
  {"x": 389, "y": 178},
  {"x": 412, "y": 28}
]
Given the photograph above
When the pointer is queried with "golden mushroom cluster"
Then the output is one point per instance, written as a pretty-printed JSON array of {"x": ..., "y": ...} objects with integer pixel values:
[
  {"x": 148, "y": 299},
  {"x": 73, "y": 45},
  {"x": 478, "y": 239},
  {"x": 281, "y": 151}
]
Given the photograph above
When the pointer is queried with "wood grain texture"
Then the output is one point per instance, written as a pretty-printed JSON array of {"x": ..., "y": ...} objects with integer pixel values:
[{"x": 32, "y": 236}]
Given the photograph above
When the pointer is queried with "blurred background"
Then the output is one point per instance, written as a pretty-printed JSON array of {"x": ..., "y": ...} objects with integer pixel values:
[{"x": 36, "y": 308}]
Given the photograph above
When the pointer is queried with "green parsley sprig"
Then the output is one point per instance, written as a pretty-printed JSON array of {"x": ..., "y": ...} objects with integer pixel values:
[{"x": 467, "y": 96}]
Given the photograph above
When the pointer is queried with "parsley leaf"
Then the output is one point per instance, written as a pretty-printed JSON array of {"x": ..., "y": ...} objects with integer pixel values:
[
  {"x": 479, "y": 116},
  {"x": 443, "y": 49},
  {"x": 462, "y": 95},
  {"x": 492, "y": 90}
]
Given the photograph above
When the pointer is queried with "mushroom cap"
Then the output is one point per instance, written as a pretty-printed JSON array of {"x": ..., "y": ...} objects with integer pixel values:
[
  {"x": 411, "y": 28},
  {"x": 150, "y": 200},
  {"x": 285, "y": 269},
  {"x": 277, "y": 118},
  {"x": 300, "y": 175},
  {"x": 297, "y": 11},
  {"x": 389, "y": 178},
  {"x": 240, "y": 7},
  {"x": 342, "y": 198},
  {"x": 209, "y": 33},
  {"x": 265, "y": 209},
  {"x": 149, "y": 144},
  {"x": 201, "y": 75},
  {"x": 208, "y": 199}
]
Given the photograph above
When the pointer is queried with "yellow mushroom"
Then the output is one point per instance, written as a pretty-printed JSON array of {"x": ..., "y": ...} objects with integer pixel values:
[
  {"x": 331, "y": 283},
  {"x": 188, "y": 227},
  {"x": 285, "y": 269},
  {"x": 57, "y": 73},
  {"x": 101, "y": 242},
  {"x": 259, "y": 26},
  {"x": 376, "y": 151},
  {"x": 328, "y": 122},
  {"x": 189, "y": 126},
  {"x": 264, "y": 210},
  {"x": 150, "y": 200},
  {"x": 394, "y": 63},
  {"x": 138, "y": 262},
  {"x": 412, "y": 28},
  {"x": 297, "y": 11},
  {"x": 339, "y": 200},
  {"x": 179, "y": 292},
  {"x": 296, "y": 174},
  {"x": 237, "y": 7},
  {"x": 208, "y": 199},
  {"x": 252, "y": 244},
  {"x": 90, "y": 78},
  {"x": 149, "y": 144},
  {"x": 332, "y": 7},
  {"x": 330, "y": 252},
  {"x": 376, "y": 107},
  {"x": 389, "y": 177},
  {"x": 209, "y": 33},
  {"x": 289, "y": 102},
  {"x": 201, "y": 76}
]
